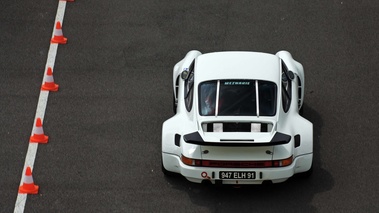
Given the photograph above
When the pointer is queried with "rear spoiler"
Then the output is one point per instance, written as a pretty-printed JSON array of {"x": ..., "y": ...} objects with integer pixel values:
[{"x": 278, "y": 139}]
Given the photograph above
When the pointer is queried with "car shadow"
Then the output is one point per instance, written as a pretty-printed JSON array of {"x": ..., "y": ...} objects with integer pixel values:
[{"x": 294, "y": 195}]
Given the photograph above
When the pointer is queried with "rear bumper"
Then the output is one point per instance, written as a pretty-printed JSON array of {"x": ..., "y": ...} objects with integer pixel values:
[{"x": 199, "y": 174}]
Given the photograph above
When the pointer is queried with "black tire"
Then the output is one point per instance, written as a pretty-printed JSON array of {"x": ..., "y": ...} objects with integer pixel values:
[
  {"x": 306, "y": 174},
  {"x": 167, "y": 173},
  {"x": 301, "y": 111}
]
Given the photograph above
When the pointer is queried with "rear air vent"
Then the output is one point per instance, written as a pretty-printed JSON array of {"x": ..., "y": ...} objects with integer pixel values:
[
  {"x": 237, "y": 127},
  {"x": 177, "y": 140}
]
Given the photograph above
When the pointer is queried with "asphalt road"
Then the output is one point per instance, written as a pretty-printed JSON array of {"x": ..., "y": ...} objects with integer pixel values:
[{"x": 115, "y": 91}]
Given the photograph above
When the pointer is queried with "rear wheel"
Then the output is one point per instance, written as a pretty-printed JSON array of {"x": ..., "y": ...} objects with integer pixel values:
[
  {"x": 166, "y": 172},
  {"x": 306, "y": 174},
  {"x": 301, "y": 111}
]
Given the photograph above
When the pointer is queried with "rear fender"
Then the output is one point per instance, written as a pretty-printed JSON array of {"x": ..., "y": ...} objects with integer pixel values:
[
  {"x": 173, "y": 130},
  {"x": 302, "y": 142},
  {"x": 173, "y": 145},
  {"x": 305, "y": 150},
  {"x": 169, "y": 130},
  {"x": 303, "y": 135}
]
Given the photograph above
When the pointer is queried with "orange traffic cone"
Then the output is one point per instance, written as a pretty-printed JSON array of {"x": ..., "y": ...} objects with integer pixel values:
[
  {"x": 49, "y": 84},
  {"x": 28, "y": 186},
  {"x": 58, "y": 35},
  {"x": 38, "y": 135}
]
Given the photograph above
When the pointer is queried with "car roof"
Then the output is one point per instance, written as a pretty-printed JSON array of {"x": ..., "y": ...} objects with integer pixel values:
[{"x": 237, "y": 65}]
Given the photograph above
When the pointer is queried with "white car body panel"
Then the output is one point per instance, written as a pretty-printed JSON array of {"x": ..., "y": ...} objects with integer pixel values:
[
  {"x": 256, "y": 146},
  {"x": 225, "y": 64}
]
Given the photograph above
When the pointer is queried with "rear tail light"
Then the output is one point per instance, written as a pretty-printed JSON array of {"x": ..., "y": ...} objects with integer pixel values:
[
  {"x": 190, "y": 161},
  {"x": 237, "y": 164},
  {"x": 286, "y": 162}
]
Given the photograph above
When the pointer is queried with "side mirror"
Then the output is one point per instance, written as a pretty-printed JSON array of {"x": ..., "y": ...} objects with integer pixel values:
[
  {"x": 290, "y": 76},
  {"x": 184, "y": 74}
]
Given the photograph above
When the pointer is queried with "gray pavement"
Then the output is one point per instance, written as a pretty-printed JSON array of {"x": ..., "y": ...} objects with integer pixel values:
[{"x": 115, "y": 91}]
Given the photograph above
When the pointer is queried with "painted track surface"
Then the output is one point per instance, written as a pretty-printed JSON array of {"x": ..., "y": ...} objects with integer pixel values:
[{"x": 115, "y": 91}]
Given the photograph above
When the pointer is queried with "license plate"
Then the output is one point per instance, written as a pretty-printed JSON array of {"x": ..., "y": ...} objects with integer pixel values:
[{"x": 237, "y": 175}]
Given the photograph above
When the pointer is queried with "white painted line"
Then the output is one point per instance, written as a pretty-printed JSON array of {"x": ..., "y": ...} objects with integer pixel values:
[{"x": 40, "y": 111}]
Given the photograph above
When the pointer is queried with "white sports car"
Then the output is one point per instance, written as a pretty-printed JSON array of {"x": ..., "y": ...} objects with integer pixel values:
[{"x": 237, "y": 119}]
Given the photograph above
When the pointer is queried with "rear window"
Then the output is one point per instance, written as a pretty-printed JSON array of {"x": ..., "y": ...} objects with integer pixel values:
[{"x": 237, "y": 98}]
